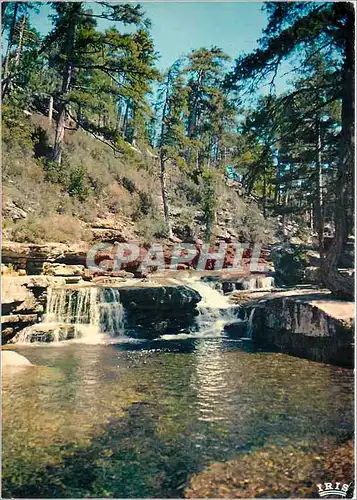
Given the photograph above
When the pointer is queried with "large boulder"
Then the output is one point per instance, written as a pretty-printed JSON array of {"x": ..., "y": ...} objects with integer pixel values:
[
  {"x": 155, "y": 310},
  {"x": 56, "y": 269},
  {"x": 308, "y": 324}
]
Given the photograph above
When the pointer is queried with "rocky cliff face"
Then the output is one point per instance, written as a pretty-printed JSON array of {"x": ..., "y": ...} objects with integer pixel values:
[{"x": 306, "y": 324}]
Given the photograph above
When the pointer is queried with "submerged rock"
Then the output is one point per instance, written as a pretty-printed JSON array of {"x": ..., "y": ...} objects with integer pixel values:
[
  {"x": 12, "y": 358},
  {"x": 237, "y": 329},
  {"x": 287, "y": 471}
]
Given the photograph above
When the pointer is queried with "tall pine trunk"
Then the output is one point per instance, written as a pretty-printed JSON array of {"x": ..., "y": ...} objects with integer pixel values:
[
  {"x": 6, "y": 75},
  {"x": 66, "y": 83},
  {"x": 164, "y": 194},
  {"x": 18, "y": 52},
  {"x": 343, "y": 286},
  {"x": 319, "y": 220}
]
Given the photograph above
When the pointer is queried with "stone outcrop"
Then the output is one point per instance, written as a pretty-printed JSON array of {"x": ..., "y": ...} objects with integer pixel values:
[
  {"x": 23, "y": 302},
  {"x": 56, "y": 269},
  {"x": 13, "y": 212},
  {"x": 155, "y": 310},
  {"x": 109, "y": 230},
  {"x": 32, "y": 257},
  {"x": 306, "y": 323}
]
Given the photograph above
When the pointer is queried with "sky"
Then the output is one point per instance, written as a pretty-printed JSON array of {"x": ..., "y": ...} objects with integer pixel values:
[{"x": 179, "y": 27}]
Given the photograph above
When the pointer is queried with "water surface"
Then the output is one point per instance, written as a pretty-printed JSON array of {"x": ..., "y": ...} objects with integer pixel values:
[{"x": 137, "y": 419}]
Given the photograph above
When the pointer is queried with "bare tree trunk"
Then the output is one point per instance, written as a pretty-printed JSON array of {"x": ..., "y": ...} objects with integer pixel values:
[
  {"x": 343, "y": 286},
  {"x": 5, "y": 76},
  {"x": 50, "y": 110},
  {"x": 20, "y": 42},
  {"x": 66, "y": 85},
  {"x": 319, "y": 220},
  {"x": 164, "y": 195},
  {"x": 264, "y": 191},
  {"x": 125, "y": 119}
]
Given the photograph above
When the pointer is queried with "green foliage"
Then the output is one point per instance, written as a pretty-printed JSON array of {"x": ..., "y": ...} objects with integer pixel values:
[
  {"x": 78, "y": 183},
  {"x": 290, "y": 263},
  {"x": 151, "y": 228}
]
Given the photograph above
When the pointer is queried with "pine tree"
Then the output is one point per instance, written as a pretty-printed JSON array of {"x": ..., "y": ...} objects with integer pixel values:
[
  {"x": 110, "y": 63},
  {"x": 329, "y": 29},
  {"x": 172, "y": 140}
]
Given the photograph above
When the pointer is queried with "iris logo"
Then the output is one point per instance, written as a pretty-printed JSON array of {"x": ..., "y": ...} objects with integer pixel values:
[{"x": 333, "y": 489}]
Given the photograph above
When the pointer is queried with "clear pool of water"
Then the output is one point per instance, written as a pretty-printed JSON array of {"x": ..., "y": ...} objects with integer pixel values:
[{"x": 137, "y": 420}]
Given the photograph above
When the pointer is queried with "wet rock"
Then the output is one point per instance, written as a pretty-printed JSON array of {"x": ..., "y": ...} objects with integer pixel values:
[
  {"x": 251, "y": 282},
  {"x": 153, "y": 311},
  {"x": 23, "y": 302},
  {"x": 237, "y": 329},
  {"x": 43, "y": 332}
]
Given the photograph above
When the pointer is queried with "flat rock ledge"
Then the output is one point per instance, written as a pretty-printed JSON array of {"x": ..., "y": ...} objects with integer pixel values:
[{"x": 306, "y": 323}]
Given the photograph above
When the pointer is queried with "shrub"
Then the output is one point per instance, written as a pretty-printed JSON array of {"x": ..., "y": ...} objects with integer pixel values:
[
  {"x": 78, "y": 183},
  {"x": 290, "y": 263}
]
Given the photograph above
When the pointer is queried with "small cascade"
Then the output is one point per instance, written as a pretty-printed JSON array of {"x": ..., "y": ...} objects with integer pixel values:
[
  {"x": 250, "y": 324},
  {"x": 112, "y": 312},
  {"x": 71, "y": 306},
  {"x": 214, "y": 309},
  {"x": 88, "y": 313}
]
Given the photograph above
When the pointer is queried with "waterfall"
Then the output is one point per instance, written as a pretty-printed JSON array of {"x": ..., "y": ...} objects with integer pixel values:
[
  {"x": 112, "y": 312},
  {"x": 88, "y": 313},
  {"x": 71, "y": 306},
  {"x": 250, "y": 324},
  {"x": 214, "y": 309}
]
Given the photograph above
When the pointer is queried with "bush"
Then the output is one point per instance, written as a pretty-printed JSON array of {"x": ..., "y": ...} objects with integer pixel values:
[
  {"x": 290, "y": 263},
  {"x": 78, "y": 183}
]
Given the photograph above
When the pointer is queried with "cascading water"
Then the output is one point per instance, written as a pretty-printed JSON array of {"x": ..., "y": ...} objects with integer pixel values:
[
  {"x": 89, "y": 314},
  {"x": 250, "y": 324},
  {"x": 112, "y": 312},
  {"x": 214, "y": 309}
]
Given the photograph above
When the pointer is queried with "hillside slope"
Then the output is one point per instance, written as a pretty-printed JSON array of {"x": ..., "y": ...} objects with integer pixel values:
[{"x": 99, "y": 195}]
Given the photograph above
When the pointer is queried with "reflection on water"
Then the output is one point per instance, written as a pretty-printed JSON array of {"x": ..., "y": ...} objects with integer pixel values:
[{"x": 136, "y": 420}]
